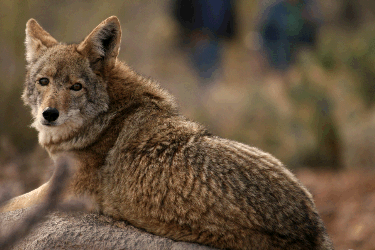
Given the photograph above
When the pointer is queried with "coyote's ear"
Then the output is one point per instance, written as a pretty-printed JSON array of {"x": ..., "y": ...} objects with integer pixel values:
[
  {"x": 102, "y": 45},
  {"x": 37, "y": 39}
]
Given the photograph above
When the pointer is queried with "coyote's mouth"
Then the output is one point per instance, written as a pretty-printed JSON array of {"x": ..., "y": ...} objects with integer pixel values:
[{"x": 49, "y": 124}]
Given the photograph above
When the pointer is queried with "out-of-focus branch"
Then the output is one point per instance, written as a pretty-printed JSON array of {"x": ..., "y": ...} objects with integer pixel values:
[
  {"x": 58, "y": 182},
  {"x": 5, "y": 196},
  {"x": 78, "y": 204}
]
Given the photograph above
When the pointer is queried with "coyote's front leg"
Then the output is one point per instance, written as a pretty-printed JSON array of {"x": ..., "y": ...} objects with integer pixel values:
[
  {"x": 29, "y": 199},
  {"x": 55, "y": 191}
]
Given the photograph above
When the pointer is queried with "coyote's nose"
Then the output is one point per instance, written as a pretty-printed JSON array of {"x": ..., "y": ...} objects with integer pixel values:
[{"x": 51, "y": 114}]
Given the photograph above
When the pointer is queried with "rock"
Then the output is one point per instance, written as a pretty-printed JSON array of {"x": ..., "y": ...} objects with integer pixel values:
[{"x": 80, "y": 230}]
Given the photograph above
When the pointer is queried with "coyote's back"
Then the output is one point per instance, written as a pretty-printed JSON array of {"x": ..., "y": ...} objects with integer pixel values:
[{"x": 142, "y": 162}]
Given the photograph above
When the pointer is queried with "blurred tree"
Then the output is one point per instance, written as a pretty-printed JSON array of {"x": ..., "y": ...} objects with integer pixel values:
[
  {"x": 204, "y": 25},
  {"x": 286, "y": 26}
]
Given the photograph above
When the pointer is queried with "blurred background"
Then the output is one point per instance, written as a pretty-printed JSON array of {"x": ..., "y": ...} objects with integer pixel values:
[{"x": 295, "y": 78}]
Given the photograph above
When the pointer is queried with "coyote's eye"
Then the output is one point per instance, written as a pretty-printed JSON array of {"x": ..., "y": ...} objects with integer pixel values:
[
  {"x": 43, "y": 81},
  {"x": 76, "y": 87}
]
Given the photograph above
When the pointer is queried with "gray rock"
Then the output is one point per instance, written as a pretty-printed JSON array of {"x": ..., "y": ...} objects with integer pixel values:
[{"x": 80, "y": 230}]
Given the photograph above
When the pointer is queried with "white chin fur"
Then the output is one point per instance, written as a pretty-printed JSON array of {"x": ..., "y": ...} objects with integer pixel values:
[{"x": 64, "y": 129}]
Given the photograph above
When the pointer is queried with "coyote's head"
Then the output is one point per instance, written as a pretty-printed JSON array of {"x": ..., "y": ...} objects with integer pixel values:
[{"x": 66, "y": 85}]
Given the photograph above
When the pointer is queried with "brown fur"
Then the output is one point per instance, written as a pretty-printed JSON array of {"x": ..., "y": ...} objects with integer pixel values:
[{"x": 144, "y": 163}]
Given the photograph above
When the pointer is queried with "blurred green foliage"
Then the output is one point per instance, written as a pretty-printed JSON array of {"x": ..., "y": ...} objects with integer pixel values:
[{"x": 356, "y": 50}]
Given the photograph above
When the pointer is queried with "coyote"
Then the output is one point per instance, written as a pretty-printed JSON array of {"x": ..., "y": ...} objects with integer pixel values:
[{"x": 143, "y": 162}]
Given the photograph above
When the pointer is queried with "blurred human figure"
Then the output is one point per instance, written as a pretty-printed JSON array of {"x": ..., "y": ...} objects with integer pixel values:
[
  {"x": 287, "y": 25},
  {"x": 205, "y": 24}
]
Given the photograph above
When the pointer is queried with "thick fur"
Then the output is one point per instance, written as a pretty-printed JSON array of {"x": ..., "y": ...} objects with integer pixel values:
[{"x": 142, "y": 162}]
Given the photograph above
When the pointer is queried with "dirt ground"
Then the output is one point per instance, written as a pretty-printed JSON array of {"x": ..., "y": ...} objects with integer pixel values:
[{"x": 346, "y": 202}]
